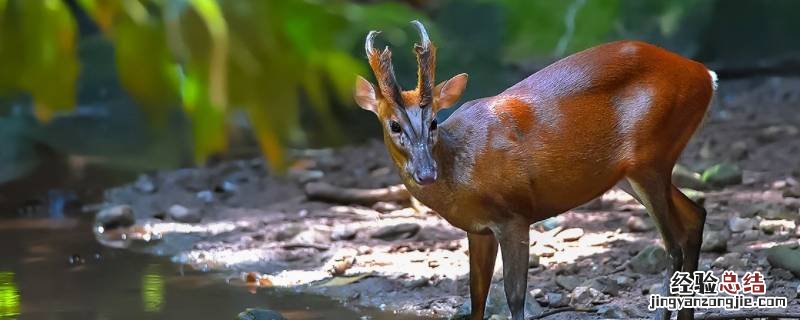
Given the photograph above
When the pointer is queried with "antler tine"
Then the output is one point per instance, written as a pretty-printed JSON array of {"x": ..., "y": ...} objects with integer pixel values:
[
  {"x": 426, "y": 61},
  {"x": 423, "y": 34},
  {"x": 370, "y": 39},
  {"x": 381, "y": 63}
]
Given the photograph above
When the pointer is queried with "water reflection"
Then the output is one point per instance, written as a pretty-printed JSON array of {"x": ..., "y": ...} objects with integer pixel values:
[
  {"x": 9, "y": 295},
  {"x": 152, "y": 289}
]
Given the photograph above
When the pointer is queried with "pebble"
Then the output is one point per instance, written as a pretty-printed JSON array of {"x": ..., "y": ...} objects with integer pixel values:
[
  {"x": 603, "y": 284},
  {"x": 652, "y": 259},
  {"x": 343, "y": 232},
  {"x": 785, "y": 257},
  {"x": 116, "y": 216},
  {"x": 722, "y": 175},
  {"x": 612, "y": 312},
  {"x": 731, "y": 260},
  {"x": 180, "y": 213},
  {"x": 624, "y": 281},
  {"x": 585, "y": 297},
  {"x": 715, "y": 241},
  {"x": 396, "y": 232},
  {"x": 656, "y": 288},
  {"x": 144, "y": 184},
  {"x": 533, "y": 260},
  {"x": 682, "y": 177},
  {"x": 640, "y": 224},
  {"x": 555, "y": 299},
  {"x": 568, "y": 282},
  {"x": 736, "y": 224},
  {"x": 260, "y": 314},
  {"x": 206, "y": 196},
  {"x": 571, "y": 234},
  {"x": 777, "y": 226}
]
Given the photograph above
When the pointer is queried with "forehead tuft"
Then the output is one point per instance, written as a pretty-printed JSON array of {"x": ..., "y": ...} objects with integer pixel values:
[{"x": 410, "y": 98}]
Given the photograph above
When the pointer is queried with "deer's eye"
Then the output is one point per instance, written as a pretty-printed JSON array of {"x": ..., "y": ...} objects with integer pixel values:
[
  {"x": 434, "y": 123},
  {"x": 395, "y": 127}
]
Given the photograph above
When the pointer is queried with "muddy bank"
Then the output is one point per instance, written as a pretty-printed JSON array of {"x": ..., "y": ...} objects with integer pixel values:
[{"x": 399, "y": 256}]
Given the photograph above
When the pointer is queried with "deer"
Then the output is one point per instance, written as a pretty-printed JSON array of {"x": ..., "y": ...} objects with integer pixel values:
[{"x": 617, "y": 114}]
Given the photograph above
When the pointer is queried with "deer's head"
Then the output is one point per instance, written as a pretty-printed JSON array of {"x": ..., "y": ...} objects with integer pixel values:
[{"x": 408, "y": 117}]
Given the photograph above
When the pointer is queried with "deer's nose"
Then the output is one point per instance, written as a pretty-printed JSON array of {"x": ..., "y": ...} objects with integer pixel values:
[{"x": 425, "y": 177}]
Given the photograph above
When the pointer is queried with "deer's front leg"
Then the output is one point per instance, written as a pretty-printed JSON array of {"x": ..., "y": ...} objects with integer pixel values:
[
  {"x": 514, "y": 243},
  {"x": 482, "y": 254}
]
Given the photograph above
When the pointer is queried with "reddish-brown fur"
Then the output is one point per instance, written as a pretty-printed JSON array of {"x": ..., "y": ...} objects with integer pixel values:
[{"x": 557, "y": 139}]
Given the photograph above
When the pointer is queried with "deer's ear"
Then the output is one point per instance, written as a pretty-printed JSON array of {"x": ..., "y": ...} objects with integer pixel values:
[
  {"x": 448, "y": 92},
  {"x": 365, "y": 95}
]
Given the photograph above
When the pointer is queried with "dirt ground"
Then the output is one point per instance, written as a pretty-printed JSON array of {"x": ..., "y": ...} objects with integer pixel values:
[{"x": 238, "y": 218}]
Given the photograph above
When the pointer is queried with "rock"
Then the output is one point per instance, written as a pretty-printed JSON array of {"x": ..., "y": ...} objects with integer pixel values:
[
  {"x": 652, "y": 259},
  {"x": 785, "y": 257},
  {"x": 556, "y": 300},
  {"x": 715, "y": 241},
  {"x": 286, "y": 232},
  {"x": 624, "y": 281},
  {"x": 551, "y": 223},
  {"x": 206, "y": 196},
  {"x": 585, "y": 297},
  {"x": 416, "y": 283},
  {"x": 343, "y": 232},
  {"x": 568, "y": 282},
  {"x": 776, "y": 226},
  {"x": 776, "y": 212},
  {"x": 180, "y": 213},
  {"x": 639, "y": 224},
  {"x": 396, "y": 232},
  {"x": 784, "y": 291},
  {"x": 313, "y": 235},
  {"x": 533, "y": 261},
  {"x": 722, "y": 175},
  {"x": 603, "y": 284},
  {"x": 750, "y": 235},
  {"x": 698, "y": 197},
  {"x": 145, "y": 184},
  {"x": 571, "y": 234},
  {"x": 777, "y": 132},
  {"x": 340, "y": 263},
  {"x": 382, "y": 206},
  {"x": 736, "y": 224},
  {"x": 730, "y": 261},
  {"x": 682, "y": 177},
  {"x": 114, "y": 217},
  {"x": 656, "y": 288},
  {"x": 542, "y": 251},
  {"x": 260, "y": 314},
  {"x": 612, "y": 312}
]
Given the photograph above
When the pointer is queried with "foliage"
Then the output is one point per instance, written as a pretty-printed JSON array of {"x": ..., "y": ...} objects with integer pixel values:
[{"x": 210, "y": 57}]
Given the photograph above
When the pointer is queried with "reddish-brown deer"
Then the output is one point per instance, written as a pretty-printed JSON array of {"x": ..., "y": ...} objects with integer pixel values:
[{"x": 616, "y": 114}]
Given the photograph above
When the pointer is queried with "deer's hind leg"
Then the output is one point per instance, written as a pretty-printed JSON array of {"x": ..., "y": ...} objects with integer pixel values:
[{"x": 679, "y": 221}]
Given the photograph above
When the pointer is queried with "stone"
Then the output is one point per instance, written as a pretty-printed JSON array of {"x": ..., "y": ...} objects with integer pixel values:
[
  {"x": 568, "y": 282},
  {"x": 608, "y": 311},
  {"x": 603, "y": 284},
  {"x": 556, "y": 300},
  {"x": 585, "y": 297},
  {"x": 571, "y": 234},
  {"x": 730, "y": 261},
  {"x": 736, "y": 224},
  {"x": 652, "y": 259},
  {"x": 682, "y": 177},
  {"x": 260, "y": 314},
  {"x": 640, "y": 224},
  {"x": 722, "y": 175},
  {"x": 750, "y": 235},
  {"x": 624, "y": 281},
  {"x": 145, "y": 184},
  {"x": 533, "y": 260},
  {"x": 656, "y": 288},
  {"x": 785, "y": 257},
  {"x": 206, "y": 196},
  {"x": 115, "y": 217},
  {"x": 497, "y": 306},
  {"x": 396, "y": 232},
  {"x": 343, "y": 232},
  {"x": 180, "y": 213},
  {"x": 551, "y": 223},
  {"x": 715, "y": 241},
  {"x": 777, "y": 226},
  {"x": 777, "y": 132}
]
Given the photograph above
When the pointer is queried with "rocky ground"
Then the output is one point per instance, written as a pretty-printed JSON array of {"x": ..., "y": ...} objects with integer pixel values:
[{"x": 743, "y": 165}]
